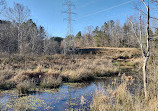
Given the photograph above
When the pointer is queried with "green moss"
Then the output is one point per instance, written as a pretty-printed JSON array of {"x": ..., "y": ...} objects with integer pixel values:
[
  {"x": 130, "y": 64},
  {"x": 117, "y": 63}
]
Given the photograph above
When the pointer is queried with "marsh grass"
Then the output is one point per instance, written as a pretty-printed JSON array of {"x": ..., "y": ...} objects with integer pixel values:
[
  {"x": 51, "y": 71},
  {"x": 51, "y": 79},
  {"x": 87, "y": 70},
  {"x": 117, "y": 99},
  {"x": 127, "y": 96},
  {"x": 82, "y": 70},
  {"x": 25, "y": 87},
  {"x": 28, "y": 75},
  {"x": 5, "y": 76}
]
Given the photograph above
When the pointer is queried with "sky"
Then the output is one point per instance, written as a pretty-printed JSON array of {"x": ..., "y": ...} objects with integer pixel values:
[{"x": 48, "y": 13}]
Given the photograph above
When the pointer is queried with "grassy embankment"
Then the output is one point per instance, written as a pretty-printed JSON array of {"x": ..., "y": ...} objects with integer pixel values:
[{"x": 29, "y": 72}]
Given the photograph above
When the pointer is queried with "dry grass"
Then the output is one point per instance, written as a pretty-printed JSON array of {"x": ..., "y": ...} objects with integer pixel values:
[
  {"x": 5, "y": 76},
  {"x": 34, "y": 76},
  {"x": 119, "y": 99},
  {"x": 87, "y": 69},
  {"x": 51, "y": 79},
  {"x": 51, "y": 71},
  {"x": 112, "y": 48},
  {"x": 23, "y": 87},
  {"x": 122, "y": 99},
  {"x": 81, "y": 70}
]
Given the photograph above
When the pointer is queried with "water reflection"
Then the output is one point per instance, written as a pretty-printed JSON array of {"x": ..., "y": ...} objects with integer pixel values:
[{"x": 70, "y": 96}]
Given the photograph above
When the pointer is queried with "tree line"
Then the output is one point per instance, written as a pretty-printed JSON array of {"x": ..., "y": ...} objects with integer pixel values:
[
  {"x": 111, "y": 34},
  {"x": 21, "y": 35}
]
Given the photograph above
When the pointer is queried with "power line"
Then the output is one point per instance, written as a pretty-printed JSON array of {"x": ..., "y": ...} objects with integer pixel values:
[
  {"x": 69, "y": 13},
  {"x": 105, "y": 9}
]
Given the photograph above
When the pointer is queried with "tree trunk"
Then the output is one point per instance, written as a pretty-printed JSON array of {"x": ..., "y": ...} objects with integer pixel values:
[{"x": 145, "y": 61}]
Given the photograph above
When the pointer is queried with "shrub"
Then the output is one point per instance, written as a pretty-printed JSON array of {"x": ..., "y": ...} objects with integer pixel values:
[
  {"x": 6, "y": 85},
  {"x": 5, "y": 82},
  {"x": 52, "y": 79},
  {"x": 25, "y": 86},
  {"x": 29, "y": 75}
]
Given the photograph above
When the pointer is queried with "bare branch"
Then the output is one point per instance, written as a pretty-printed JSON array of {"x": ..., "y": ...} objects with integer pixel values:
[
  {"x": 153, "y": 18},
  {"x": 149, "y": 16},
  {"x": 145, "y": 4},
  {"x": 135, "y": 32}
]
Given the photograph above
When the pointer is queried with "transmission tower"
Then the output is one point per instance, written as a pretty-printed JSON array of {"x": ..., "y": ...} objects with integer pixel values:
[{"x": 69, "y": 13}]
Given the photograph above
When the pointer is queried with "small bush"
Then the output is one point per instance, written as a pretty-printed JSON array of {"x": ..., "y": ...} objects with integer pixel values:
[
  {"x": 25, "y": 86},
  {"x": 22, "y": 88},
  {"x": 29, "y": 75},
  {"x": 52, "y": 79},
  {"x": 5, "y": 83},
  {"x": 79, "y": 74},
  {"x": 51, "y": 82}
]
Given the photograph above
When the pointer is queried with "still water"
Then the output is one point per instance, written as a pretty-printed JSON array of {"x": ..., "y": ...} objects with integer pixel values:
[{"x": 70, "y": 97}]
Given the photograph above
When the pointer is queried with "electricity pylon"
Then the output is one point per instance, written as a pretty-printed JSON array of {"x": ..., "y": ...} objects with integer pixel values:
[{"x": 69, "y": 13}]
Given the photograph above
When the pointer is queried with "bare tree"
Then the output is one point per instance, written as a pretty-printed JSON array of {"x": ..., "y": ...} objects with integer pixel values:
[
  {"x": 88, "y": 40},
  {"x": 145, "y": 48},
  {"x": 69, "y": 44},
  {"x": 18, "y": 15}
]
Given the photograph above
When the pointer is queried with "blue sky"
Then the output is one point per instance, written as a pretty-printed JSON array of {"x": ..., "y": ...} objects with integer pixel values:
[{"x": 48, "y": 13}]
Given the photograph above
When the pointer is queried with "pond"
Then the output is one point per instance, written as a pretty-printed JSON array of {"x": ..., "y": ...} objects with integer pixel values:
[{"x": 70, "y": 96}]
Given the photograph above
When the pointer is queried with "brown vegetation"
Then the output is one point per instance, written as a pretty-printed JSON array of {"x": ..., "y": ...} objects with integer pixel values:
[
  {"x": 51, "y": 79},
  {"x": 51, "y": 71},
  {"x": 127, "y": 94},
  {"x": 121, "y": 99}
]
